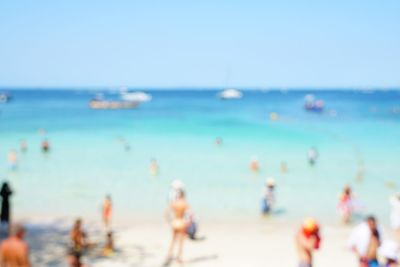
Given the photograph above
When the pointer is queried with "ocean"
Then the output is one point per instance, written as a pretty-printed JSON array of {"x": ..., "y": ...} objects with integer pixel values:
[{"x": 358, "y": 132}]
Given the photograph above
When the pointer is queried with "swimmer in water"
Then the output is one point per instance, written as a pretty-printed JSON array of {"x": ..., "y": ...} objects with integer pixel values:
[
  {"x": 178, "y": 209},
  {"x": 218, "y": 141},
  {"x": 307, "y": 241},
  {"x": 107, "y": 212},
  {"x": 13, "y": 160},
  {"x": 154, "y": 169},
  {"x": 127, "y": 147},
  {"x": 312, "y": 156},
  {"x": 45, "y": 146},
  {"x": 254, "y": 165},
  {"x": 23, "y": 145}
]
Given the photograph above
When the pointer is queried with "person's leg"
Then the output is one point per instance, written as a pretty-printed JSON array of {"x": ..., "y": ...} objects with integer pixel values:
[
  {"x": 171, "y": 246},
  {"x": 181, "y": 238}
]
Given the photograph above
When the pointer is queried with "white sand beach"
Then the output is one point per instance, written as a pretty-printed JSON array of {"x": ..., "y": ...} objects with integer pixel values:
[{"x": 145, "y": 244}]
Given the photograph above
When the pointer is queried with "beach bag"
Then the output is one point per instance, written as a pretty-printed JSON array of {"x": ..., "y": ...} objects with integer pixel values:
[{"x": 191, "y": 230}]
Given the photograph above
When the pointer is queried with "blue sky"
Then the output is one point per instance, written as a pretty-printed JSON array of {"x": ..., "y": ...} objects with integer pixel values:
[{"x": 207, "y": 43}]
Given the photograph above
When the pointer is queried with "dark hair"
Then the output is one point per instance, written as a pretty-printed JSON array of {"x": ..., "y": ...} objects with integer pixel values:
[
  {"x": 371, "y": 218},
  {"x": 375, "y": 233}
]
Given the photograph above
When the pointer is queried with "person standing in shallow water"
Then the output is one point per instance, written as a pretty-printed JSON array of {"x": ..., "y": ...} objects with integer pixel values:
[
  {"x": 345, "y": 205},
  {"x": 107, "y": 209},
  {"x": 45, "y": 146},
  {"x": 5, "y": 194},
  {"x": 268, "y": 198},
  {"x": 12, "y": 160}
]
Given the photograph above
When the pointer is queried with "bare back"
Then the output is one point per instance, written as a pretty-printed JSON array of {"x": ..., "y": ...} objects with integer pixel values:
[{"x": 14, "y": 253}]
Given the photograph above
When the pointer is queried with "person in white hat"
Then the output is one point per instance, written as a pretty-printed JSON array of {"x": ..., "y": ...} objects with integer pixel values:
[{"x": 268, "y": 197}]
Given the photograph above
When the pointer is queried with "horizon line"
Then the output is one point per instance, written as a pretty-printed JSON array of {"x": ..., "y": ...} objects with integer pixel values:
[{"x": 205, "y": 88}]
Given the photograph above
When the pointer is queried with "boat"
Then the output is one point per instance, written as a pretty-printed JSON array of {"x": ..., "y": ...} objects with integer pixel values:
[
  {"x": 135, "y": 96},
  {"x": 98, "y": 102},
  {"x": 106, "y": 104},
  {"x": 5, "y": 97},
  {"x": 313, "y": 104},
  {"x": 229, "y": 94}
]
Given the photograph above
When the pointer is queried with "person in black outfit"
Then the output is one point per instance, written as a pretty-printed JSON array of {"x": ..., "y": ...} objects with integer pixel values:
[{"x": 5, "y": 194}]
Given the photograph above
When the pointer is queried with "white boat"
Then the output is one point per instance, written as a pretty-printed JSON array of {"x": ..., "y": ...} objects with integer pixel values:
[
  {"x": 230, "y": 94},
  {"x": 136, "y": 96}
]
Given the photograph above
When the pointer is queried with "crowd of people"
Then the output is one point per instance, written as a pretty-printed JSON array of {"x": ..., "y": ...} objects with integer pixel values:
[{"x": 366, "y": 240}]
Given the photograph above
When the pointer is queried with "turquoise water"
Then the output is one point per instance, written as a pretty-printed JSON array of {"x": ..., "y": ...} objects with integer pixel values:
[{"x": 178, "y": 128}]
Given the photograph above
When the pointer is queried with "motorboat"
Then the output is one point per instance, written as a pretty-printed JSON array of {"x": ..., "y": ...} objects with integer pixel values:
[{"x": 229, "y": 94}]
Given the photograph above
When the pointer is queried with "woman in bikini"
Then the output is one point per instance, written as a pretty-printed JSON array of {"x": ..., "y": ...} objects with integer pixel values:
[{"x": 178, "y": 208}]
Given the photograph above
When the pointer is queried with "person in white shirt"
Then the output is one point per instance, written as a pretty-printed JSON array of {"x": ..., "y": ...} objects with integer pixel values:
[{"x": 365, "y": 240}]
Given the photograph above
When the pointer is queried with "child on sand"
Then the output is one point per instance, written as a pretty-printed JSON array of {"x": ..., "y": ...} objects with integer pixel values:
[{"x": 108, "y": 249}]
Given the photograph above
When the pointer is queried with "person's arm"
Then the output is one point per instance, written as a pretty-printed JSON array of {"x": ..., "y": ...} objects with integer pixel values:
[{"x": 307, "y": 243}]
